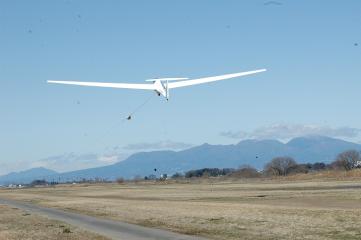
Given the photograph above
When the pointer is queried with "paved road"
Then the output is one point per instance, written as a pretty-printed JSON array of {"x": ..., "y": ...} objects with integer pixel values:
[{"x": 108, "y": 228}]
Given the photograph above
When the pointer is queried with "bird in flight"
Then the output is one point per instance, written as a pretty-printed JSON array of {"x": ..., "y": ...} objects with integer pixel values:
[{"x": 160, "y": 85}]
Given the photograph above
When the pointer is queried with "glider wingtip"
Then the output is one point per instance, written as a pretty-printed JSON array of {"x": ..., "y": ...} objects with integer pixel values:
[{"x": 260, "y": 70}]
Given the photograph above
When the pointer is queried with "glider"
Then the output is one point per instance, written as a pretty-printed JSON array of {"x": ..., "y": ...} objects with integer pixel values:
[{"x": 160, "y": 85}]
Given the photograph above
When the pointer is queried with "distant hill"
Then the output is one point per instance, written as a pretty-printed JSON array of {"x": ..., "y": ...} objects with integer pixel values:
[
  {"x": 253, "y": 152},
  {"x": 26, "y": 176}
]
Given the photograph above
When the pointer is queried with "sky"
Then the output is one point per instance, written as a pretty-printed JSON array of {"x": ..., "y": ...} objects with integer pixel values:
[{"x": 312, "y": 50}]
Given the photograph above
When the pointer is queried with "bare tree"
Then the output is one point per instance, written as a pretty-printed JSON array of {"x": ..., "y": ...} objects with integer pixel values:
[
  {"x": 347, "y": 160},
  {"x": 280, "y": 166}
]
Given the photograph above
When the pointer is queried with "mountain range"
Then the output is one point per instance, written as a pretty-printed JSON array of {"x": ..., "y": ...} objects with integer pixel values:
[
  {"x": 251, "y": 152},
  {"x": 26, "y": 176}
]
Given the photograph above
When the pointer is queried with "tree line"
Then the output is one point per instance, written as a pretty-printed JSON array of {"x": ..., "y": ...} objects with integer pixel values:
[{"x": 280, "y": 166}]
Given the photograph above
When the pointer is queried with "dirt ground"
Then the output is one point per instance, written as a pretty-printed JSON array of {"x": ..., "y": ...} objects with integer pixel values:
[
  {"x": 256, "y": 209},
  {"x": 17, "y": 224}
]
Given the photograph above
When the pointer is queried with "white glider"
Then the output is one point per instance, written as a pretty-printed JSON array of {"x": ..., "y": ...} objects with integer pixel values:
[{"x": 160, "y": 85}]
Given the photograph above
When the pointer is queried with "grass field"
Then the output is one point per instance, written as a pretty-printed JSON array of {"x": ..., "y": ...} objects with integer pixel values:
[
  {"x": 285, "y": 208},
  {"x": 17, "y": 224}
]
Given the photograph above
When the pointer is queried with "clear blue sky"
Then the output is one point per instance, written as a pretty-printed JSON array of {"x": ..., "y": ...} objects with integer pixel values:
[{"x": 309, "y": 48}]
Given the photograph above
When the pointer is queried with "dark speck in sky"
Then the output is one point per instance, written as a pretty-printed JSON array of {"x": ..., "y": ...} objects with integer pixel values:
[
  {"x": 356, "y": 44},
  {"x": 30, "y": 31}
]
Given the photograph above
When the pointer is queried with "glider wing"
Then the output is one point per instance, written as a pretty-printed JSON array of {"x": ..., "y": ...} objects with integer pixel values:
[
  {"x": 211, "y": 79},
  {"x": 109, "y": 85}
]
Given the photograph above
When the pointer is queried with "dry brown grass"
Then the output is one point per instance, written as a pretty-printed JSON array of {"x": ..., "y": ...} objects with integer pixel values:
[
  {"x": 327, "y": 207},
  {"x": 327, "y": 175},
  {"x": 16, "y": 224}
]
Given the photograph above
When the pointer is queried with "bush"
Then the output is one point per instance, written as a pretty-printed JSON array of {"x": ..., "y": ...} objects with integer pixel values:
[
  {"x": 245, "y": 172},
  {"x": 318, "y": 166},
  {"x": 177, "y": 175},
  {"x": 137, "y": 178},
  {"x": 120, "y": 180},
  {"x": 39, "y": 183},
  {"x": 66, "y": 230},
  {"x": 300, "y": 168}
]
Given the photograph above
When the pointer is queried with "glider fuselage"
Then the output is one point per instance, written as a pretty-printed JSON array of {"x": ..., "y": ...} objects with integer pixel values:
[{"x": 161, "y": 88}]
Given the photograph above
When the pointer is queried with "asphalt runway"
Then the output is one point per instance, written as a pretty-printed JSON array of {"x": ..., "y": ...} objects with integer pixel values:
[{"x": 107, "y": 228}]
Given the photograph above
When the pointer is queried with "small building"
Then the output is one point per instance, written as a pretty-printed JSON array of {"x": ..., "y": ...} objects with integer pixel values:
[
  {"x": 164, "y": 176},
  {"x": 358, "y": 164}
]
